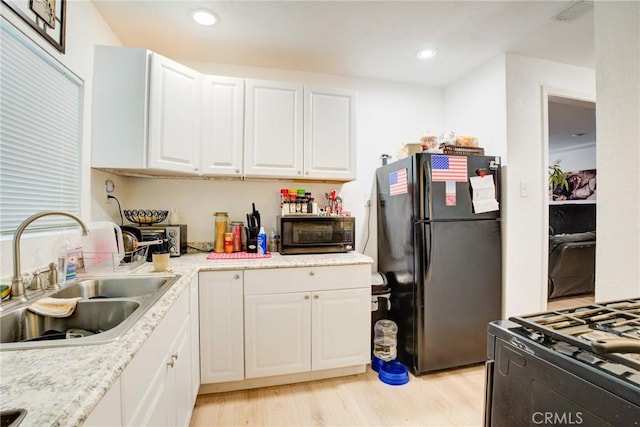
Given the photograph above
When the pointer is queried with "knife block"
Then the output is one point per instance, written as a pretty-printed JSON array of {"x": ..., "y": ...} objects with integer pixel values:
[{"x": 252, "y": 240}]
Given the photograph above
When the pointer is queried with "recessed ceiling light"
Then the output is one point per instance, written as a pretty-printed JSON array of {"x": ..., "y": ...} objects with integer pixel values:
[
  {"x": 426, "y": 54},
  {"x": 204, "y": 17}
]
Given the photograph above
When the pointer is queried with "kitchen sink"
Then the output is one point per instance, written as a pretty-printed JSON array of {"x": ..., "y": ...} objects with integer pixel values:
[
  {"x": 22, "y": 325},
  {"x": 112, "y": 287},
  {"x": 109, "y": 308},
  {"x": 11, "y": 417}
]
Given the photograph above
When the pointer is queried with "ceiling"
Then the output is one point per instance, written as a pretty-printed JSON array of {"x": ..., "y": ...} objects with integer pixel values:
[
  {"x": 572, "y": 123},
  {"x": 368, "y": 39}
]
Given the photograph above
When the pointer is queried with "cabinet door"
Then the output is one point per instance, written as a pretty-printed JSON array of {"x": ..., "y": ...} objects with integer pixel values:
[
  {"x": 174, "y": 116},
  {"x": 221, "y": 326},
  {"x": 147, "y": 383},
  {"x": 194, "y": 319},
  {"x": 180, "y": 358},
  {"x": 341, "y": 322},
  {"x": 277, "y": 334},
  {"x": 222, "y": 126},
  {"x": 108, "y": 413},
  {"x": 273, "y": 129},
  {"x": 119, "y": 108},
  {"x": 329, "y": 134}
]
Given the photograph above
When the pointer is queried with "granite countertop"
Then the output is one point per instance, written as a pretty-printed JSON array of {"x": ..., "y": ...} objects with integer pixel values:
[{"x": 60, "y": 386}]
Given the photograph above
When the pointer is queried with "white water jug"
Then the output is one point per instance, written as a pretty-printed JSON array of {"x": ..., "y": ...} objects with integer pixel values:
[{"x": 103, "y": 248}]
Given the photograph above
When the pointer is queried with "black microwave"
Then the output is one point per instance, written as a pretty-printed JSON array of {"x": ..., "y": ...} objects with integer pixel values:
[{"x": 310, "y": 234}]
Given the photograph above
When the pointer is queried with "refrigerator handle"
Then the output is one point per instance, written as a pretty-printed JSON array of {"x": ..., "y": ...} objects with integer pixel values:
[
  {"x": 429, "y": 237},
  {"x": 425, "y": 205}
]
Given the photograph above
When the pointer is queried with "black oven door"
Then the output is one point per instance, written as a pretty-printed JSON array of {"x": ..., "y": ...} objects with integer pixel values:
[{"x": 527, "y": 386}]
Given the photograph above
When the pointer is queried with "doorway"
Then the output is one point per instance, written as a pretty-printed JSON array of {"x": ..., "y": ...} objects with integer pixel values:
[{"x": 570, "y": 155}]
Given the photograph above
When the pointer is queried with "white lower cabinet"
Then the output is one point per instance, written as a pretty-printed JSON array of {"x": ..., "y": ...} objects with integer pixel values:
[
  {"x": 156, "y": 386},
  {"x": 221, "y": 326},
  {"x": 306, "y": 319},
  {"x": 194, "y": 320},
  {"x": 108, "y": 412},
  {"x": 340, "y": 328},
  {"x": 277, "y": 334}
]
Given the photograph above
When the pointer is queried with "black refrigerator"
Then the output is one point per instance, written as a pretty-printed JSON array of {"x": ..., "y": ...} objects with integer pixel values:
[{"x": 439, "y": 247}]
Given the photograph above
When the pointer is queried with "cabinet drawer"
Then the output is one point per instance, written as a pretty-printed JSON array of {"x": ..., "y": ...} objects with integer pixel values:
[{"x": 302, "y": 279}]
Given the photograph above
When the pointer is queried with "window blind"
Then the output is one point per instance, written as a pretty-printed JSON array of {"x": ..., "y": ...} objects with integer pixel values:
[{"x": 41, "y": 106}]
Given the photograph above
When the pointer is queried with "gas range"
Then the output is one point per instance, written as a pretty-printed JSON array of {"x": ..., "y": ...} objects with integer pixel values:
[
  {"x": 581, "y": 363},
  {"x": 594, "y": 334}
]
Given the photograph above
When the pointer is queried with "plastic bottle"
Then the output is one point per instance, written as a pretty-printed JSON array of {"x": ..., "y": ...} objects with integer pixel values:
[
  {"x": 262, "y": 241},
  {"x": 385, "y": 340},
  {"x": 228, "y": 243},
  {"x": 221, "y": 224},
  {"x": 273, "y": 241}
]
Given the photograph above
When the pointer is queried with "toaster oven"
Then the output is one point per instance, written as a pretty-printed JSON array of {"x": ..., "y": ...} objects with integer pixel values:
[
  {"x": 174, "y": 235},
  {"x": 310, "y": 234}
]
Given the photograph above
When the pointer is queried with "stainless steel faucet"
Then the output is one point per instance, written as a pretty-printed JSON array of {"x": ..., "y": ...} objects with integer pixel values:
[{"x": 17, "y": 287}]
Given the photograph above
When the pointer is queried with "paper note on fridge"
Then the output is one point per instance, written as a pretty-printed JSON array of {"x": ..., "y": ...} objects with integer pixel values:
[{"x": 484, "y": 194}]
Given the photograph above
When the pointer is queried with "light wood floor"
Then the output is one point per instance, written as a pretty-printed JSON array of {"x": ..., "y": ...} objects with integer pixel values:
[
  {"x": 451, "y": 398},
  {"x": 562, "y": 303},
  {"x": 443, "y": 399}
]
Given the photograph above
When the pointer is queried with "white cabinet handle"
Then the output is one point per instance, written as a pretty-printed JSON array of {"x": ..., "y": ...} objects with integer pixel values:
[
  {"x": 237, "y": 276},
  {"x": 306, "y": 297},
  {"x": 172, "y": 362},
  {"x": 316, "y": 296},
  {"x": 237, "y": 170},
  {"x": 299, "y": 173},
  {"x": 312, "y": 273}
]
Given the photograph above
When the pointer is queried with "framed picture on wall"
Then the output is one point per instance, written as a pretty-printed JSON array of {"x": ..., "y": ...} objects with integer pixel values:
[
  {"x": 581, "y": 185},
  {"x": 46, "y": 17}
]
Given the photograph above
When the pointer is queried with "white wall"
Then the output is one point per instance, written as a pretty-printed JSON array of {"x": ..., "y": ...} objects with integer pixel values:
[
  {"x": 574, "y": 159},
  {"x": 526, "y": 217},
  {"x": 475, "y": 105},
  {"x": 617, "y": 33}
]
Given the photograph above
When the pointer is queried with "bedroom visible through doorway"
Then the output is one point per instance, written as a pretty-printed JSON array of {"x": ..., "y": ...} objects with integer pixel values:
[{"x": 572, "y": 197}]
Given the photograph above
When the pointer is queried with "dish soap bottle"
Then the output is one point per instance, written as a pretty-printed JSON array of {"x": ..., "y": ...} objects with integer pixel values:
[{"x": 262, "y": 241}]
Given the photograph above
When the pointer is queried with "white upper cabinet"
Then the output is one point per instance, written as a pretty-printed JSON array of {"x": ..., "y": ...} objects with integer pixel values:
[
  {"x": 273, "y": 129},
  {"x": 302, "y": 132},
  {"x": 222, "y": 126},
  {"x": 154, "y": 116},
  {"x": 145, "y": 112},
  {"x": 174, "y": 116},
  {"x": 329, "y": 133}
]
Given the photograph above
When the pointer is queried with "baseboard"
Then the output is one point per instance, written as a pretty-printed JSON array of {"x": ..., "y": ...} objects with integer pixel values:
[{"x": 281, "y": 379}]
